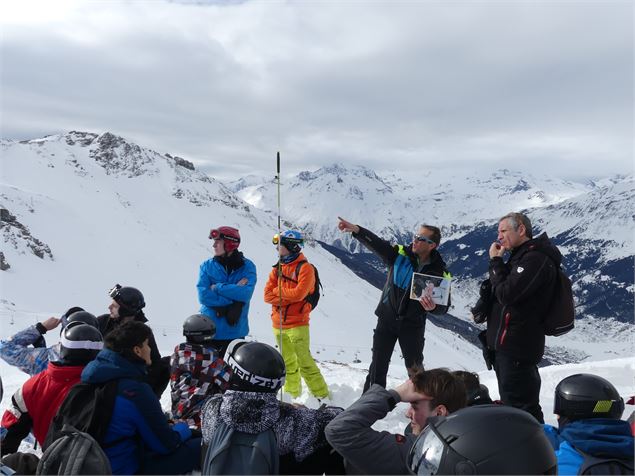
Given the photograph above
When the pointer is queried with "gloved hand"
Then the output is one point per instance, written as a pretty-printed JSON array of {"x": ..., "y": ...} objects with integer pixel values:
[{"x": 183, "y": 430}]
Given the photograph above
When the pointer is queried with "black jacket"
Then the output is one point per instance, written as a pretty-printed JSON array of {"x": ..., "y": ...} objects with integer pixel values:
[
  {"x": 523, "y": 289},
  {"x": 395, "y": 304}
]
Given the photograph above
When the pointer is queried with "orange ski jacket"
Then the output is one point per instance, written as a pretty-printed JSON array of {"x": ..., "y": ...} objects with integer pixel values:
[{"x": 295, "y": 288}]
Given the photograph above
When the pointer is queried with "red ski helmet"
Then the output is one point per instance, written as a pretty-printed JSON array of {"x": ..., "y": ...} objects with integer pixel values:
[{"x": 231, "y": 237}]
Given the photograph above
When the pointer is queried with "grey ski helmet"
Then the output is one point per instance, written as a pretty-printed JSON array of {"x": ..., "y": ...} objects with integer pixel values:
[
  {"x": 199, "y": 329},
  {"x": 483, "y": 439},
  {"x": 257, "y": 367}
]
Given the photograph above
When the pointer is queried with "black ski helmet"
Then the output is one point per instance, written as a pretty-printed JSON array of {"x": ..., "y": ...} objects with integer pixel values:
[
  {"x": 483, "y": 439},
  {"x": 587, "y": 396},
  {"x": 83, "y": 317},
  {"x": 199, "y": 329},
  {"x": 257, "y": 367},
  {"x": 80, "y": 343},
  {"x": 130, "y": 300}
]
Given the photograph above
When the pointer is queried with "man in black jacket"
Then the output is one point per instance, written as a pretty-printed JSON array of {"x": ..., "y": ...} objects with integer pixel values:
[
  {"x": 127, "y": 305},
  {"x": 523, "y": 289},
  {"x": 399, "y": 317}
]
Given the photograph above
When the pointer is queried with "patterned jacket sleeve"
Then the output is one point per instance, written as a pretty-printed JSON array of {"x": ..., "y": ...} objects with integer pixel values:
[
  {"x": 32, "y": 360},
  {"x": 220, "y": 373}
]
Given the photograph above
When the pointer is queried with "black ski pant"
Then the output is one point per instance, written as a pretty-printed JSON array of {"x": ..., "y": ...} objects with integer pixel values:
[
  {"x": 518, "y": 384},
  {"x": 385, "y": 336}
]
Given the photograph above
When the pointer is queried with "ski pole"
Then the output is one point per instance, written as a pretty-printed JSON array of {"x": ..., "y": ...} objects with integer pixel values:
[{"x": 279, "y": 264}]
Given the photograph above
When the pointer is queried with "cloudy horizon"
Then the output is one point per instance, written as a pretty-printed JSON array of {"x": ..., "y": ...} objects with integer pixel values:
[{"x": 536, "y": 86}]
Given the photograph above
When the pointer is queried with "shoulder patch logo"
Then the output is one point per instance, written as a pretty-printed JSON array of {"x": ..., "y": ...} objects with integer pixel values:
[{"x": 520, "y": 269}]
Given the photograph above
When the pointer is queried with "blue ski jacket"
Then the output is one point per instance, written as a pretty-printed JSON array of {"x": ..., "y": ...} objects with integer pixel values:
[
  {"x": 599, "y": 437},
  {"x": 138, "y": 423},
  {"x": 226, "y": 291},
  {"x": 16, "y": 351}
]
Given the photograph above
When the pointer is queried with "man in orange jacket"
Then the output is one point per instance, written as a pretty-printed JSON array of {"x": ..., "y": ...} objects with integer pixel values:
[{"x": 288, "y": 297}]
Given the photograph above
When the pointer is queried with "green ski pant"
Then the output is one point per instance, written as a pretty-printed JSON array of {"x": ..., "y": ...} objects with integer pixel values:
[{"x": 299, "y": 362}]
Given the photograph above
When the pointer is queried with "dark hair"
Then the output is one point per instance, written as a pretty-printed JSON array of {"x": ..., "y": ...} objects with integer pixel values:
[
  {"x": 515, "y": 219},
  {"x": 469, "y": 379},
  {"x": 127, "y": 336},
  {"x": 436, "y": 233},
  {"x": 443, "y": 386}
]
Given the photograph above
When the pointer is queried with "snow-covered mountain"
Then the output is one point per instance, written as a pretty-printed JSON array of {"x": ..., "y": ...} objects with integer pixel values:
[
  {"x": 393, "y": 206},
  {"x": 84, "y": 211},
  {"x": 591, "y": 222}
]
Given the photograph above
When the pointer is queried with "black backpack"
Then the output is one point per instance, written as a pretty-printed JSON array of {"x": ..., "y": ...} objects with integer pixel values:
[
  {"x": 87, "y": 408},
  {"x": 560, "y": 316},
  {"x": 599, "y": 465},
  {"x": 74, "y": 452},
  {"x": 314, "y": 296}
]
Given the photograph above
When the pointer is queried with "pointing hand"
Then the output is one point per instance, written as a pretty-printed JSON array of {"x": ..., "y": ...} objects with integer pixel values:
[{"x": 347, "y": 226}]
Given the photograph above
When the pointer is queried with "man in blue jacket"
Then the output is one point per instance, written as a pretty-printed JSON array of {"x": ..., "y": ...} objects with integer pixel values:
[
  {"x": 139, "y": 439},
  {"x": 590, "y": 438},
  {"x": 225, "y": 285}
]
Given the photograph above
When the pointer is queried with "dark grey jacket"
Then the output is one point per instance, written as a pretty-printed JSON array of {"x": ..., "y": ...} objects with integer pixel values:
[{"x": 369, "y": 451}]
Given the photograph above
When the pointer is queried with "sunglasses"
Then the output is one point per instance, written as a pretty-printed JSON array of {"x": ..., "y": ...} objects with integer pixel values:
[{"x": 424, "y": 238}]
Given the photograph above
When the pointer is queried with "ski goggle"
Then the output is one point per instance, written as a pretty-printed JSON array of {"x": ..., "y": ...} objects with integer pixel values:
[
  {"x": 114, "y": 292},
  {"x": 215, "y": 234},
  {"x": 286, "y": 239},
  {"x": 424, "y": 238},
  {"x": 425, "y": 455}
]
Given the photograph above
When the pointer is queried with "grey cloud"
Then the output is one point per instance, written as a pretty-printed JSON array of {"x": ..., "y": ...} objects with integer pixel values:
[{"x": 400, "y": 84}]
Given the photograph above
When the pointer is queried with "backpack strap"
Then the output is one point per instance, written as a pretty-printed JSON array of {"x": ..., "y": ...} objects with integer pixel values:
[{"x": 598, "y": 465}]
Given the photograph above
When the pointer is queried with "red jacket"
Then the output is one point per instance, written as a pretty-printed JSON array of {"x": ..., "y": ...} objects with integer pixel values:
[
  {"x": 295, "y": 310},
  {"x": 35, "y": 404}
]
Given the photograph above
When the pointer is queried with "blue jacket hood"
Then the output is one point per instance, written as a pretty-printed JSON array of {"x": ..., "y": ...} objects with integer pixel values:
[
  {"x": 600, "y": 437},
  {"x": 109, "y": 365}
]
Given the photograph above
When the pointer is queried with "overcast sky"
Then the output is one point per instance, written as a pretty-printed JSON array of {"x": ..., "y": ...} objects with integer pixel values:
[{"x": 541, "y": 86}]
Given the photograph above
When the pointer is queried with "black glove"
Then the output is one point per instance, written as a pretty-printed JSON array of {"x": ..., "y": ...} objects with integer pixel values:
[
  {"x": 234, "y": 310},
  {"x": 483, "y": 306},
  {"x": 488, "y": 354}
]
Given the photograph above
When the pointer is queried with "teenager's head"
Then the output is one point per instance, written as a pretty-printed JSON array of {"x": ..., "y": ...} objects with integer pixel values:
[
  {"x": 199, "y": 329},
  {"x": 586, "y": 396},
  {"x": 256, "y": 366},
  {"x": 226, "y": 240},
  {"x": 126, "y": 302},
  {"x": 477, "y": 393},
  {"x": 79, "y": 344},
  {"x": 443, "y": 393},
  {"x": 131, "y": 340}
]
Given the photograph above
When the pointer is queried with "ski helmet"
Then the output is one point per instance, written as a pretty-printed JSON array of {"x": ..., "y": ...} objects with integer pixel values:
[
  {"x": 483, "y": 439},
  {"x": 229, "y": 235},
  {"x": 82, "y": 317},
  {"x": 130, "y": 300},
  {"x": 199, "y": 329},
  {"x": 290, "y": 239},
  {"x": 587, "y": 396},
  {"x": 257, "y": 367},
  {"x": 80, "y": 343}
]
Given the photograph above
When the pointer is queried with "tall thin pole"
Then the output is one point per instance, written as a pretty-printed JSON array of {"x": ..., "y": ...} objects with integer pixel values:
[{"x": 279, "y": 262}]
